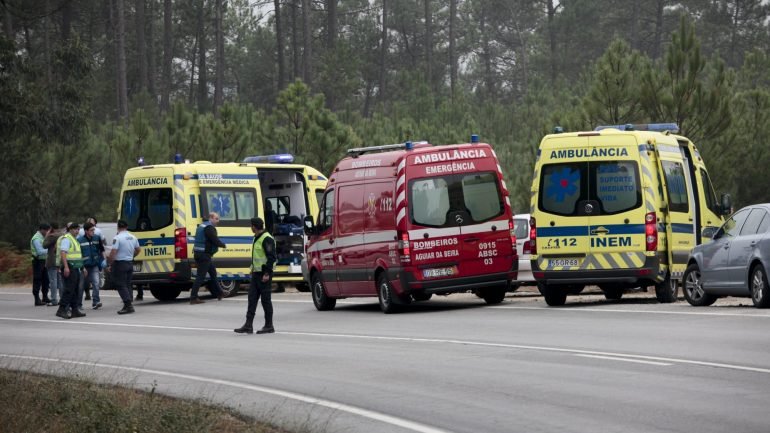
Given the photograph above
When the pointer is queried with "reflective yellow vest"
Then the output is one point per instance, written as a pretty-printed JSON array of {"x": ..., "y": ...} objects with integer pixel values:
[
  {"x": 32, "y": 249},
  {"x": 258, "y": 257},
  {"x": 74, "y": 254}
]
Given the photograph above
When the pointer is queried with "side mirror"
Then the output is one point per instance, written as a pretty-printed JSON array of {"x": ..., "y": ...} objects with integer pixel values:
[
  {"x": 709, "y": 232},
  {"x": 309, "y": 226},
  {"x": 727, "y": 204}
]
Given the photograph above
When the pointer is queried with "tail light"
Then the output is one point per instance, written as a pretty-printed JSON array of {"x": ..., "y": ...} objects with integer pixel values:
[
  {"x": 532, "y": 243},
  {"x": 513, "y": 234},
  {"x": 403, "y": 248},
  {"x": 527, "y": 248},
  {"x": 180, "y": 243},
  {"x": 651, "y": 231}
]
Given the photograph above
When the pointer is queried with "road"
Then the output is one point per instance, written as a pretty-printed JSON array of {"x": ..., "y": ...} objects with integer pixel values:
[{"x": 451, "y": 364}]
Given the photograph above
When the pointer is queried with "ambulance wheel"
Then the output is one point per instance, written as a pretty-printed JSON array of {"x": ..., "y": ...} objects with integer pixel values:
[
  {"x": 302, "y": 287},
  {"x": 165, "y": 293},
  {"x": 421, "y": 296},
  {"x": 692, "y": 288},
  {"x": 229, "y": 288},
  {"x": 554, "y": 295},
  {"x": 493, "y": 296},
  {"x": 321, "y": 300},
  {"x": 388, "y": 301},
  {"x": 666, "y": 290}
]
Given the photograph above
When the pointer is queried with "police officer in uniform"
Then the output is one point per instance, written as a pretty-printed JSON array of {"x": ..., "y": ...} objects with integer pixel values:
[
  {"x": 71, "y": 265},
  {"x": 124, "y": 248},
  {"x": 39, "y": 271},
  {"x": 207, "y": 244},
  {"x": 262, "y": 261}
]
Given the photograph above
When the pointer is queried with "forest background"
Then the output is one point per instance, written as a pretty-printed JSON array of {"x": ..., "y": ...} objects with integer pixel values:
[{"x": 88, "y": 86}]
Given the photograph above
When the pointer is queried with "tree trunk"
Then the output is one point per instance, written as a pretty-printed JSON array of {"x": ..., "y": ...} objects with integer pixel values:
[
  {"x": 66, "y": 20},
  {"x": 452, "y": 48},
  {"x": 383, "y": 51},
  {"x": 120, "y": 39},
  {"x": 307, "y": 44},
  {"x": 658, "y": 37},
  {"x": 428, "y": 45},
  {"x": 295, "y": 39},
  {"x": 331, "y": 24},
  {"x": 220, "y": 53},
  {"x": 279, "y": 43},
  {"x": 151, "y": 67},
  {"x": 167, "y": 56},
  {"x": 8, "y": 23},
  {"x": 141, "y": 45},
  {"x": 486, "y": 53},
  {"x": 551, "y": 11},
  {"x": 203, "y": 90}
]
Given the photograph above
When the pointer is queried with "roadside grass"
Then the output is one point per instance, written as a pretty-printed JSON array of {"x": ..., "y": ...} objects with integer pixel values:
[
  {"x": 15, "y": 265},
  {"x": 33, "y": 402}
]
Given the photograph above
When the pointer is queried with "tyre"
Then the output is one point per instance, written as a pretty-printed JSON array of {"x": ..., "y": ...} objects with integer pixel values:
[
  {"x": 302, "y": 287},
  {"x": 666, "y": 290},
  {"x": 554, "y": 295},
  {"x": 229, "y": 288},
  {"x": 421, "y": 296},
  {"x": 692, "y": 288},
  {"x": 321, "y": 300},
  {"x": 759, "y": 287},
  {"x": 613, "y": 293},
  {"x": 493, "y": 296},
  {"x": 388, "y": 301},
  {"x": 165, "y": 293}
]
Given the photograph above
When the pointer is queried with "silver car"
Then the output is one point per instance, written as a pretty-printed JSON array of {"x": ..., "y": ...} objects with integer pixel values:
[
  {"x": 734, "y": 262},
  {"x": 523, "y": 249}
]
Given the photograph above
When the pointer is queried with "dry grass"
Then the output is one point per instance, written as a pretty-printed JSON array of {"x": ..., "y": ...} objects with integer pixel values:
[{"x": 31, "y": 402}]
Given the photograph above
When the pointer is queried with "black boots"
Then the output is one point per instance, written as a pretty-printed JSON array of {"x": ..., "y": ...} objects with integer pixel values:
[
  {"x": 77, "y": 313},
  {"x": 62, "y": 312},
  {"x": 127, "y": 308},
  {"x": 268, "y": 328},
  {"x": 247, "y": 327}
]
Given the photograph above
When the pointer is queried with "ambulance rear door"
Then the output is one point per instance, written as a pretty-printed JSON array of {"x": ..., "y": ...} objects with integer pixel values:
[{"x": 149, "y": 207}]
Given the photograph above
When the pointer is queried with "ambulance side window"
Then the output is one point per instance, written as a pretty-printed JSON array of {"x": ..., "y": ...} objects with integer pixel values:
[
  {"x": 676, "y": 185},
  {"x": 561, "y": 187},
  {"x": 617, "y": 186},
  {"x": 708, "y": 191},
  {"x": 235, "y": 207},
  {"x": 326, "y": 216}
]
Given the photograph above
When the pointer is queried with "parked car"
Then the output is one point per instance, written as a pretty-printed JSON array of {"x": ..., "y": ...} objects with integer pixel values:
[
  {"x": 523, "y": 247},
  {"x": 734, "y": 263}
]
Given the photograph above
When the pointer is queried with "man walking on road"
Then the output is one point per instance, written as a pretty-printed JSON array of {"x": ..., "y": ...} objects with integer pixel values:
[
  {"x": 124, "y": 248},
  {"x": 71, "y": 265},
  {"x": 262, "y": 261},
  {"x": 207, "y": 244},
  {"x": 93, "y": 254},
  {"x": 39, "y": 274}
]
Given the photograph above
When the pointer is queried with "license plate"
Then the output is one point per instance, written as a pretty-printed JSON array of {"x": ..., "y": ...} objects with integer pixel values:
[
  {"x": 138, "y": 267},
  {"x": 560, "y": 263},
  {"x": 439, "y": 272}
]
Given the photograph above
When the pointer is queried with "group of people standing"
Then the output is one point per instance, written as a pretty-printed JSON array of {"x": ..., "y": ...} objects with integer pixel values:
[{"x": 66, "y": 262}]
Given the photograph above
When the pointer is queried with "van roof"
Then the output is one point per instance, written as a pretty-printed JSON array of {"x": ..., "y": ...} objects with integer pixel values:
[
  {"x": 394, "y": 157},
  {"x": 206, "y": 165},
  {"x": 550, "y": 140}
]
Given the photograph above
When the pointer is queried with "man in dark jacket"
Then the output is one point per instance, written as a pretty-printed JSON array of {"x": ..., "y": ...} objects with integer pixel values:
[
  {"x": 262, "y": 261},
  {"x": 207, "y": 244}
]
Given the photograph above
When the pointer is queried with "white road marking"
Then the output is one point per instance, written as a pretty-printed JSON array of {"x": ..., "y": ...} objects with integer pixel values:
[
  {"x": 578, "y": 309},
  {"x": 376, "y": 416},
  {"x": 423, "y": 340},
  {"x": 612, "y": 358}
]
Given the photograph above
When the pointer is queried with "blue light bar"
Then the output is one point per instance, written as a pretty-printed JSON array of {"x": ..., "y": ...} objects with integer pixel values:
[
  {"x": 408, "y": 145},
  {"x": 474, "y": 138},
  {"x": 280, "y": 158},
  {"x": 656, "y": 127}
]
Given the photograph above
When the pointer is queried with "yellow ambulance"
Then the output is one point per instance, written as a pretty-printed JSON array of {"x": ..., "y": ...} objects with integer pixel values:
[
  {"x": 164, "y": 203},
  {"x": 619, "y": 207}
]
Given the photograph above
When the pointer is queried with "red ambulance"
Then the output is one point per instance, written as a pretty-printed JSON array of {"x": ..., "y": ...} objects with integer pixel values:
[{"x": 405, "y": 221}]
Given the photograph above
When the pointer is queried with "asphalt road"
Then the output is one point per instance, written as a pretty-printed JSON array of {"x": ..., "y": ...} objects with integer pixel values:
[{"x": 451, "y": 364}]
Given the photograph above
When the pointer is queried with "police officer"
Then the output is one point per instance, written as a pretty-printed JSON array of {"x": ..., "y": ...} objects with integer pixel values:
[
  {"x": 262, "y": 260},
  {"x": 39, "y": 272},
  {"x": 71, "y": 265},
  {"x": 207, "y": 244},
  {"x": 124, "y": 248}
]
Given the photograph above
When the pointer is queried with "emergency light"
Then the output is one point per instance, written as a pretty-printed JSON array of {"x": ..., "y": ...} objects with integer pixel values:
[
  {"x": 656, "y": 127},
  {"x": 178, "y": 158},
  {"x": 140, "y": 161},
  {"x": 280, "y": 158},
  {"x": 474, "y": 138}
]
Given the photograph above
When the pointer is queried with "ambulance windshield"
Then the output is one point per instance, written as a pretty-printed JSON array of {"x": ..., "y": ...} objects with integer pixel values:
[
  {"x": 474, "y": 197},
  {"x": 147, "y": 209}
]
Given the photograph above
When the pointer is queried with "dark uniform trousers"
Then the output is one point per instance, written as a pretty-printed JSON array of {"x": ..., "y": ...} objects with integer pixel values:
[
  {"x": 39, "y": 278},
  {"x": 69, "y": 297},
  {"x": 205, "y": 266},
  {"x": 257, "y": 289},
  {"x": 122, "y": 274}
]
